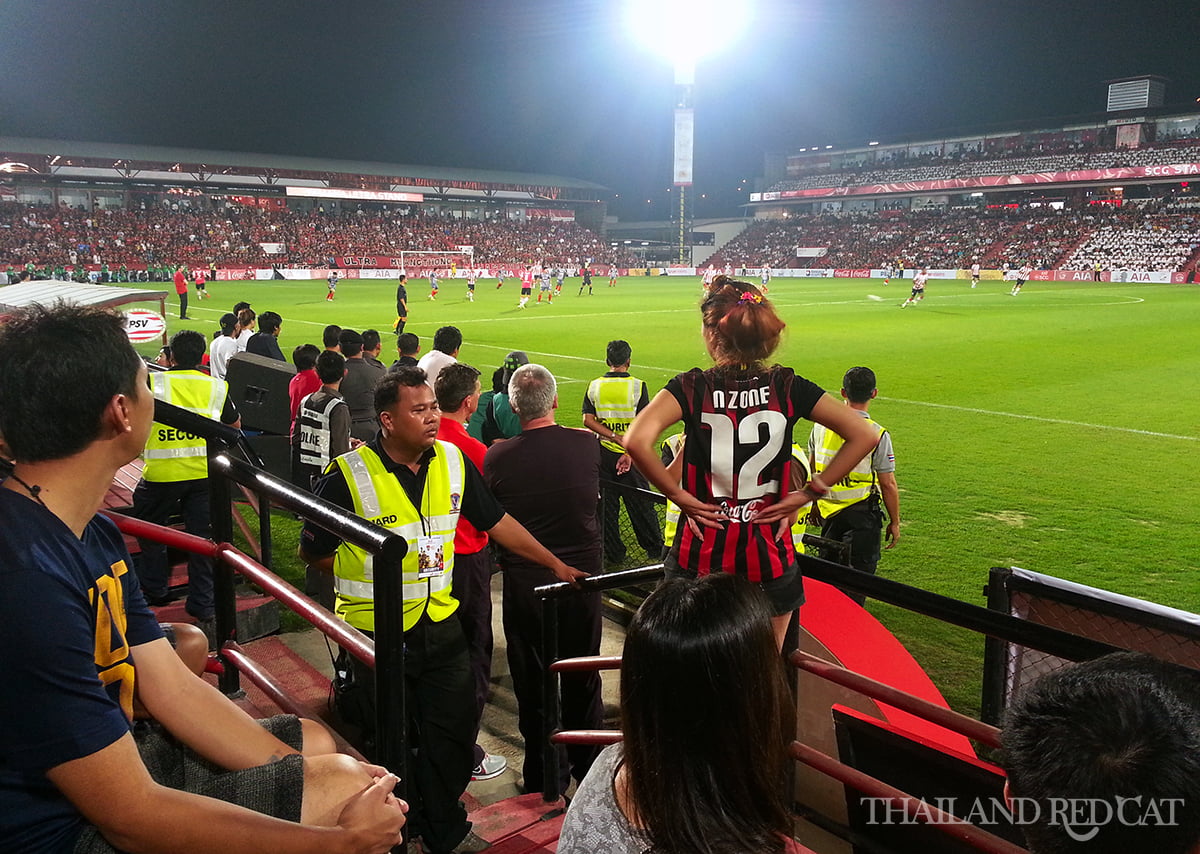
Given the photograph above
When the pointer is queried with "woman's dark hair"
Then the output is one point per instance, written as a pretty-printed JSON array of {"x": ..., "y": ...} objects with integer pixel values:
[
  {"x": 59, "y": 368},
  {"x": 743, "y": 324},
  {"x": 707, "y": 719}
]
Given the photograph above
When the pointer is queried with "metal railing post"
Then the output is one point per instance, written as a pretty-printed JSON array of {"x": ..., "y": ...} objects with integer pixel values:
[
  {"x": 391, "y": 714},
  {"x": 550, "y": 790},
  {"x": 225, "y": 596},
  {"x": 264, "y": 529}
]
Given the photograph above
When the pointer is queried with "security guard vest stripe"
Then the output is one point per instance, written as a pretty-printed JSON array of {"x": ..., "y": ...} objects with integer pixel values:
[
  {"x": 616, "y": 400},
  {"x": 671, "y": 520},
  {"x": 314, "y": 431},
  {"x": 856, "y": 485},
  {"x": 173, "y": 455},
  {"x": 379, "y": 498},
  {"x": 800, "y": 458}
]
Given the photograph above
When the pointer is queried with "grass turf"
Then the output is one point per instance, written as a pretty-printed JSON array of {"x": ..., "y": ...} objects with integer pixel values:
[{"x": 1051, "y": 430}]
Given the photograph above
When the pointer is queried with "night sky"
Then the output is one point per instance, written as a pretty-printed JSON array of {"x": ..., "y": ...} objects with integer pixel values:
[{"x": 560, "y": 87}]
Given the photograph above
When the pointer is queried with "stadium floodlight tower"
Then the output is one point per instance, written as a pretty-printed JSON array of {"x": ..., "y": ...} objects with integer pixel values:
[{"x": 684, "y": 32}]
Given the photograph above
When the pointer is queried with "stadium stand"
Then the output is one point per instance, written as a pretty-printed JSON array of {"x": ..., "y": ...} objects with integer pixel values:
[
  {"x": 931, "y": 167},
  {"x": 1151, "y": 237},
  {"x": 232, "y": 236}
]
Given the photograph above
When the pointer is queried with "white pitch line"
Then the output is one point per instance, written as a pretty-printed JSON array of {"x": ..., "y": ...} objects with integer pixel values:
[{"x": 1042, "y": 419}]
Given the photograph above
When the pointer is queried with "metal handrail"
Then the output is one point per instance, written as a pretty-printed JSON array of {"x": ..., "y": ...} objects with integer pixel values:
[{"x": 948, "y": 718}]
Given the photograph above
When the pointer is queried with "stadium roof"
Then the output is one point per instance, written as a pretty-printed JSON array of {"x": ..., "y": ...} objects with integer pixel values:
[
  {"x": 185, "y": 160},
  {"x": 49, "y": 291}
]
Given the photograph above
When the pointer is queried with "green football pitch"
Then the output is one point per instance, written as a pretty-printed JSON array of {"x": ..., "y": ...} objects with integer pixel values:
[{"x": 1055, "y": 430}]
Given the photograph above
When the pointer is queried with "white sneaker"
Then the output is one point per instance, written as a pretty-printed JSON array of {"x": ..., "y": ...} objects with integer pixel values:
[{"x": 491, "y": 766}]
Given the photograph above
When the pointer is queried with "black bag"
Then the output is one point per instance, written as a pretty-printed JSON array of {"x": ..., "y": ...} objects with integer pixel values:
[{"x": 354, "y": 700}]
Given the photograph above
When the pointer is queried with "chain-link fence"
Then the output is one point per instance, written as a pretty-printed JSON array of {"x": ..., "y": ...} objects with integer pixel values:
[{"x": 1120, "y": 621}]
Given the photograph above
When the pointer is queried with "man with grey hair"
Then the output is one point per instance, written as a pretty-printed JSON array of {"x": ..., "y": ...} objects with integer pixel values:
[{"x": 548, "y": 478}]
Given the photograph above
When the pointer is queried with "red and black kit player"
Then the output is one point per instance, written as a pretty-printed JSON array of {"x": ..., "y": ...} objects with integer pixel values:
[{"x": 738, "y": 417}]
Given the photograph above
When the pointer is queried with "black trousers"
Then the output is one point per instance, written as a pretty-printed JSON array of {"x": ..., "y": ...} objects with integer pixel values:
[
  {"x": 183, "y": 305},
  {"x": 441, "y": 728},
  {"x": 642, "y": 514},
  {"x": 578, "y": 634},
  {"x": 472, "y": 585},
  {"x": 861, "y": 526},
  {"x": 157, "y": 502}
]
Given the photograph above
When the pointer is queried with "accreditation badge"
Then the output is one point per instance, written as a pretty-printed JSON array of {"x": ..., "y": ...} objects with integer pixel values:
[{"x": 430, "y": 556}]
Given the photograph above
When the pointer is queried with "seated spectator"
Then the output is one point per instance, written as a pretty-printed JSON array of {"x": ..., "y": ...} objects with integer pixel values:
[
  {"x": 81, "y": 644},
  {"x": 446, "y": 343},
  {"x": 707, "y": 719},
  {"x": 245, "y": 328},
  {"x": 330, "y": 336},
  {"x": 223, "y": 346},
  {"x": 499, "y": 421},
  {"x": 1120, "y": 732},
  {"x": 306, "y": 381},
  {"x": 265, "y": 342},
  {"x": 408, "y": 346},
  {"x": 475, "y": 425}
]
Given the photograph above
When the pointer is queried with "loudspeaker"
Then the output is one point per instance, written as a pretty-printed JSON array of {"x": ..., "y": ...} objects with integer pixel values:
[{"x": 258, "y": 387}]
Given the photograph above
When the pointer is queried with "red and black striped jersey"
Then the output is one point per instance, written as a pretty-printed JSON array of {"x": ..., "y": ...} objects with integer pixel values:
[{"x": 739, "y": 436}]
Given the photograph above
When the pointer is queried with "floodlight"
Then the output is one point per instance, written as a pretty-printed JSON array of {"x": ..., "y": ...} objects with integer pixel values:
[{"x": 686, "y": 31}]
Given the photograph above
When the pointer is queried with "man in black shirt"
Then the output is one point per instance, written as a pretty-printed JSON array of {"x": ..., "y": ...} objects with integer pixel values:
[
  {"x": 265, "y": 342},
  {"x": 548, "y": 478}
]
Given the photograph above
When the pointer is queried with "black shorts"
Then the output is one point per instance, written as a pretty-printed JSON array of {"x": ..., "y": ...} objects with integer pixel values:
[
  {"x": 785, "y": 593},
  {"x": 1020, "y": 282},
  {"x": 276, "y": 789},
  {"x": 526, "y": 290},
  {"x": 918, "y": 291},
  {"x": 470, "y": 286}
]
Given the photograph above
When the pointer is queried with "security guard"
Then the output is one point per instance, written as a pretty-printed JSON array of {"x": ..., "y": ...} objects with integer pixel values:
[
  {"x": 609, "y": 408},
  {"x": 411, "y": 483},
  {"x": 671, "y": 450},
  {"x": 175, "y": 478},
  {"x": 801, "y": 474},
  {"x": 850, "y": 512}
]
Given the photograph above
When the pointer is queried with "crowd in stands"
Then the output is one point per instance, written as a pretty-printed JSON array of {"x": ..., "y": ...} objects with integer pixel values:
[
  {"x": 233, "y": 237},
  {"x": 1150, "y": 237},
  {"x": 933, "y": 167}
]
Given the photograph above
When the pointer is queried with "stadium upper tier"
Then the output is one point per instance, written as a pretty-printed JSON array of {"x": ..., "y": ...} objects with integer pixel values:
[
  {"x": 1152, "y": 237},
  {"x": 936, "y": 167},
  {"x": 235, "y": 237}
]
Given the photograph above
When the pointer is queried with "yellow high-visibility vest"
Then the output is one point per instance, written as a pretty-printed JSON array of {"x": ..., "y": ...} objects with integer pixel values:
[
  {"x": 379, "y": 498},
  {"x": 172, "y": 454},
  {"x": 800, "y": 458},
  {"x": 855, "y": 486},
  {"x": 616, "y": 400},
  {"x": 671, "y": 525}
]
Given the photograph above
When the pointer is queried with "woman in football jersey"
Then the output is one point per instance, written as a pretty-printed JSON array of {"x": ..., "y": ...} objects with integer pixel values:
[{"x": 739, "y": 416}]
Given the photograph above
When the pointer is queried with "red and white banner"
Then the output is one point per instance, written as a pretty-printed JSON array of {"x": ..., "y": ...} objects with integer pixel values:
[
  {"x": 852, "y": 274},
  {"x": 1124, "y": 173}
]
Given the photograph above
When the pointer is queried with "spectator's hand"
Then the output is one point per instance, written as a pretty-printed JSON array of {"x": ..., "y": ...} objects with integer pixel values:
[
  {"x": 699, "y": 513},
  {"x": 893, "y": 534},
  {"x": 376, "y": 771},
  {"x": 375, "y": 816},
  {"x": 569, "y": 574},
  {"x": 356, "y": 443},
  {"x": 624, "y": 463}
]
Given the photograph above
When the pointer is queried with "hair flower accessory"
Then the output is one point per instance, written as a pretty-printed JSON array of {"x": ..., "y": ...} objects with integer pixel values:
[{"x": 747, "y": 296}]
